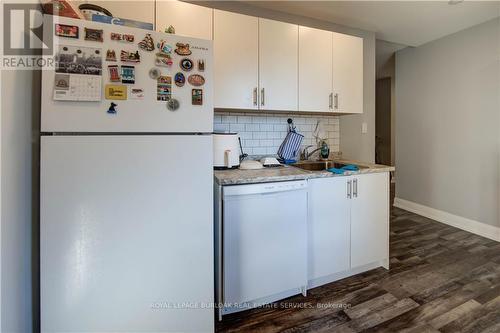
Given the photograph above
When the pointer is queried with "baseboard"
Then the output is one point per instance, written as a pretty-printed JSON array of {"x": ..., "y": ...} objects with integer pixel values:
[
  {"x": 313, "y": 283},
  {"x": 456, "y": 221}
]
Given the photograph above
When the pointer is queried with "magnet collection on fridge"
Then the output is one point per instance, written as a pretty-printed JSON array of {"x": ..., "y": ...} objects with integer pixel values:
[{"x": 87, "y": 60}]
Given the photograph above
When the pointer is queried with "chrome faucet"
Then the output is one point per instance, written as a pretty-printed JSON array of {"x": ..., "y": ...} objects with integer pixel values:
[{"x": 306, "y": 154}]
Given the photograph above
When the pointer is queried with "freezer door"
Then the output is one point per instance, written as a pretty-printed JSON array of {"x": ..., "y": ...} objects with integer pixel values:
[
  {"x": 126, "y": 234},
  {"x": 133, "y": 114}
]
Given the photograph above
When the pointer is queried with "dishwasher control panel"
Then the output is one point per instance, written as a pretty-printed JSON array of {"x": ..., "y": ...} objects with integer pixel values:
[{"x": 263, "y": 188}]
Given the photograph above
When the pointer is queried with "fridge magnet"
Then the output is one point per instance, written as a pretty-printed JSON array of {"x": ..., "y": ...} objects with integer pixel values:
[
  {"x": 164, "y": 47},
  {"x": 164, "y": 56},
  {"x": 163, "y": 61},
  {"x": 154, "y": 73},
  {"x": 78, "y": 60},
  {"x": 179, "y": 79},
  {"x": 196, "y": 80},
  {"x": 94, "y": 35},
  {"x": 147, "y": 43},
  {"x": 116, "y": 92},
  {"x": 137, "y": 93},
  {"x": 112, "y": 108},
  {"x": 182, "y": 49},
  {"x": 201, "y": 65},
  {"x": 122, "y": 37},
  {"x": 128, "y": 38},
  {"x": 116, "y": 37},
  {"x": 164, "y": 88},
  {"x": 173, "y": 104},
  {"x": 128, "y": 74},
  {"x": 126, "y": 56},
  {"x": 64, "y": 30},
  {"x": 186, "y": 64},
  {"x": 170, "y": 30},
  {"x": 114, "y": 74},
  {"x": 197, "y": 97},
  {"x": 110, "y": 55}
]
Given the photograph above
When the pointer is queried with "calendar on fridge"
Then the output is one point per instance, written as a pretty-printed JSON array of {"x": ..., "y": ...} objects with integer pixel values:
[{"x": 78, "y": 73}]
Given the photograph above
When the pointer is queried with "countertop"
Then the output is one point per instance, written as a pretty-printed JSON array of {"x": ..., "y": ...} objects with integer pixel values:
[{"x": 289, "y": 172}]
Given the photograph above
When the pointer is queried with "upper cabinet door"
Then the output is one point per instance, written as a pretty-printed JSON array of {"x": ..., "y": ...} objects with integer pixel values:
[
  {"x": 347, "y": 73},
  {"x": 188, "y": 20},
  {"x": 315, "y": 69},
  {"x": 278, "y": 65},
  {"x": 236, "y": 60}
]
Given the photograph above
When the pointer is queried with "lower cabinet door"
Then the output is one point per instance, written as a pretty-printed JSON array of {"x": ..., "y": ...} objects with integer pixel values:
[
  {"x": 328, "y": 226},
  {"x": 370, "y": 219}
]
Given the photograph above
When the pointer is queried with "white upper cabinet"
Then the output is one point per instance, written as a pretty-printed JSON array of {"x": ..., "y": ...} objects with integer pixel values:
[
  {"x": 236, "y": 60},
  {"x": 188, "y": 20},
  {"x": 315, "y": 69},
  {"x": 347, "y": 73},
  {"x": 278, "y": 61}
]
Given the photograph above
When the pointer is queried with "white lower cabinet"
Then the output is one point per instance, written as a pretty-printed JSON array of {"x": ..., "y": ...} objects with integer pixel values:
[
  {"x": 328, "y": 227},
  {"x": 348, "y": 226},
  {"x": 370, "y": 219}
]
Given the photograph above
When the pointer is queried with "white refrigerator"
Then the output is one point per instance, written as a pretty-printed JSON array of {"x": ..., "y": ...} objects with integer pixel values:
[{"x": 126, "y": 223}]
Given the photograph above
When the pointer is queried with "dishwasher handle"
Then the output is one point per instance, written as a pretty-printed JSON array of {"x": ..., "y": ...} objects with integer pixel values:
[{"x": 265, "y": 188}]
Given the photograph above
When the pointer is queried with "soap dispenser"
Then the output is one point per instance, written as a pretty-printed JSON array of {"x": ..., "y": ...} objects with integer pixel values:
[{"x": 325, "y": 150}]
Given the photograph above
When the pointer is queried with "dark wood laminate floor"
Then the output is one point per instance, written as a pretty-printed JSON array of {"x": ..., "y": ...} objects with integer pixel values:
[{"x": 441, "y": 279}]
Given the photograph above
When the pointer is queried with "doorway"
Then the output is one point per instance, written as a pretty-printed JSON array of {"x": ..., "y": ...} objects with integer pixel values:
[{"x": 383, "y": 122}]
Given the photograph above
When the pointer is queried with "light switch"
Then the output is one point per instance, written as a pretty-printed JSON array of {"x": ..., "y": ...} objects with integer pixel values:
[{"x": 364, "y": 128}]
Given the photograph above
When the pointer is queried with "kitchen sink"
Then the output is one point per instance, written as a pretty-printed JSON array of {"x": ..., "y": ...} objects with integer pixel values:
[{"x": 321, "y": 165}]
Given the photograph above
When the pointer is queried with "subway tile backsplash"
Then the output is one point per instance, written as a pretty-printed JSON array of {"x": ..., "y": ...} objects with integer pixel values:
[{"x": 263, "y": 134}]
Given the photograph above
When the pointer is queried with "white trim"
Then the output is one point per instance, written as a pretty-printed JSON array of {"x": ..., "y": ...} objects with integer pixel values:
[
  {"x": 456, "y": 221},
  {"x": 313, "y": 283}
]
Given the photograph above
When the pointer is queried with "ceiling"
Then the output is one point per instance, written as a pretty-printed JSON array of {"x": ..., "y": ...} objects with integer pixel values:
[{"x": 411, "y": 23}]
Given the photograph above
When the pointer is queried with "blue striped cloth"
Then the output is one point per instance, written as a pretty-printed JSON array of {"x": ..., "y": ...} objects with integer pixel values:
[{"x": 290, "y": 146}]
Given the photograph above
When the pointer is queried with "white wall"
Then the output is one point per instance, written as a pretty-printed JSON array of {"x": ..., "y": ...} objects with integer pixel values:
[
  {"x": 354, "y": 144},
  {"x": 19, "y": 217},
  {"x": 448, "y": 124}
]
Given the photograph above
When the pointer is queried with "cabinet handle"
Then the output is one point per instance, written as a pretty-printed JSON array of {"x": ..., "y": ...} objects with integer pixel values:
[
  {"x": 262, "y": 97},
  {"x": 330, "y": 100},
  {"x": 355, "y": 188},
  {"x": 336, "y": 104},
  {"x": 255, "y": 96},
  {"x": 349, "y": 189}
]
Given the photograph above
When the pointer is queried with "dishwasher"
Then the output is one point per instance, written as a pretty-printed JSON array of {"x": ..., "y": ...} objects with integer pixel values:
[{"x": 261, "y": 241}]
